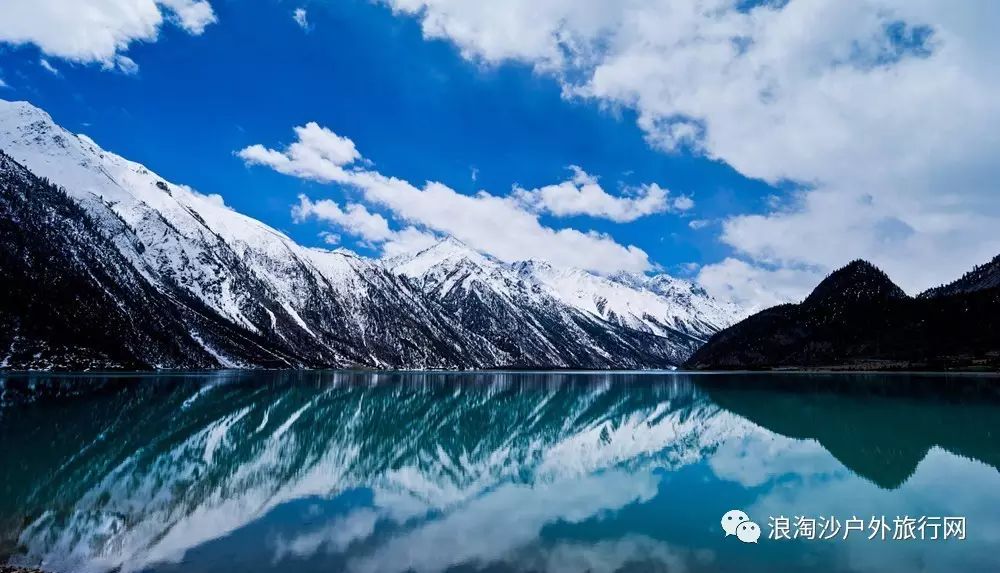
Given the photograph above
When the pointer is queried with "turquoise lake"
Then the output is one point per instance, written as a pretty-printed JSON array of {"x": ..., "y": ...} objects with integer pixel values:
[{"x": 496, "y": 472}]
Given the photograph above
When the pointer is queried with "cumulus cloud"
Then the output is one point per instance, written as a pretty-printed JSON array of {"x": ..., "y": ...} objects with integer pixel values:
[
  {"x": 756, "y": 287},
  {"x": 97, "y": 31},
  {"x": 355, "y": 219},
  {"x": 299, "y": 15},
  {"x": 317, "y": 154},
  {"x": 583, "y": 195},
  {"x": 683, "y": 203},
  {"x": 500, "y": 226},
  {"x": 330, "y": 238},
  {"x": 884, "y": 112},
  {"x": 192, "y": 15}
]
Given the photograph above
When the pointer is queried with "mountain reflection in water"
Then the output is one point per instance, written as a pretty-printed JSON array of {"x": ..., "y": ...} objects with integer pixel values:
[{"x": 352, "y": 471}]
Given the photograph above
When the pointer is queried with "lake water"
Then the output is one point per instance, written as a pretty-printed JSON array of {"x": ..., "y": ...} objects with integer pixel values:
[{"x": 497, "y": 472}]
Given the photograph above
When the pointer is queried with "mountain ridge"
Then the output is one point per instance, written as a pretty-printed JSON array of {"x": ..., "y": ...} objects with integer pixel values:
[
  {"x": 982, "y": 277},
  {"x": 337, "y": 308},
  {"x": 857, "y": 318}
]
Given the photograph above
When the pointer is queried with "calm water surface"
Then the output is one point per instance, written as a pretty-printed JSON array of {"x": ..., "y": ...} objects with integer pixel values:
[{"x": 497, "y": 472}]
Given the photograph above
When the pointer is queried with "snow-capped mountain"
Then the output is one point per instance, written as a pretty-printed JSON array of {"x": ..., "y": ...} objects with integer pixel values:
[
  {"x": 243, "y": 294},
  {"x": 660, "y": 304},
  {"x": 527, "y": 319}
]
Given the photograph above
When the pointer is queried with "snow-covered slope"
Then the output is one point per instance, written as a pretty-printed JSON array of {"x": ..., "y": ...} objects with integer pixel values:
[
  {"x": 325, "y": 309},
  {"x": 660, "y": 304},
  {"x": 555, "y": 315},
  {"x": 447, "y": 306}
]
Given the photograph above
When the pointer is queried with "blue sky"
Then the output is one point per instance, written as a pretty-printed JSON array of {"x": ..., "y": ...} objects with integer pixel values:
[
  {"x": 806, "y": 132},
  {"x": 415, "y": 108}
]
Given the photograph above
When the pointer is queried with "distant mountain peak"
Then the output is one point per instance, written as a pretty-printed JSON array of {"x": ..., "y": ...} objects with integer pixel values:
[
  {"x": 452, "y": 240},
  {"x": 858, "y": 281},
  {"x": 448, "y": 250},
  {"x": 449, "y": 245}
]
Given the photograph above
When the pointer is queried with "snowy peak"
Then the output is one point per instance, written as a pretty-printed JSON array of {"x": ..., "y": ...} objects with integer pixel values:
[
  {"x": 235, "y": 283},
  {"x": 660, "y": 283},
  {"x": 449, "y": 251},
  {"x": 450, "y": 264},
  {"x": 22, "y": 113},
  {"x": 659, "y": 304}
]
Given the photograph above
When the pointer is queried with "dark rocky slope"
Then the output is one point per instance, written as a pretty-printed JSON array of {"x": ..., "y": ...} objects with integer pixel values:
[
  {"x": 69, "y": 299},
  {"x": 858, "y": 319},
  {"x": 983, "y": 277}
]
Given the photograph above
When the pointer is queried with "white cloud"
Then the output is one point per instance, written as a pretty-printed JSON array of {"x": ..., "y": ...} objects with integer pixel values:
[
  {"x": 683, "y": 203},
  {"x": 886, "y": 111},
  {"x": 354, "y": 219},
  {"x": 689, "y": 268},
  {"x": 699, "y": 224},
  {"x": 755, "y": 287},
  {"x": 500, "y": 226},
  {"x": 3, "y": 84},
  {"x": 333, "y": 537},
  {"x": 127, "y": 65},
  {"x": 317, "y": 154},
  {"x": 583, "y": 195},
  {"x": 96, "y": 31},
  {"x": 48, "y": 67},
  {"x": 408, "y": 240},
  {"x": 299, "y": 15},
  {"x": 192, "y": 15}
]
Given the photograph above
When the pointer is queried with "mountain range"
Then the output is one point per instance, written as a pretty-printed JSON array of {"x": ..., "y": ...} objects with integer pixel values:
[
  {"x": 858, "y": 319},
  {"x": 107, "y": 265}
]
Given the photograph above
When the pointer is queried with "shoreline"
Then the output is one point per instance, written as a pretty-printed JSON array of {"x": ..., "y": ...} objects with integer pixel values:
[{"x": 650, "y": 371}]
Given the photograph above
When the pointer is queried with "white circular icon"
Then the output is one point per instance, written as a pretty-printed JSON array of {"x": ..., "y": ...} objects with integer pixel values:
[
  {"x": 732, "y": 519},
  {"x": 748, "y": 532}
]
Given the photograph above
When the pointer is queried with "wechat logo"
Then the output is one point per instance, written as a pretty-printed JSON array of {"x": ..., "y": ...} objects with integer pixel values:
[{"x": 736, "y": 522}]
